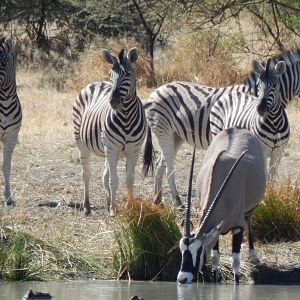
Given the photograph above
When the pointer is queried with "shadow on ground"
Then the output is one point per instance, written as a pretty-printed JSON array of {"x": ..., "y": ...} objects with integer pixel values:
[{"x": 263, "y": 274}]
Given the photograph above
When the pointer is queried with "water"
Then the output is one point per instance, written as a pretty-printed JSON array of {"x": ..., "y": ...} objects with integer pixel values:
[{"x": 121, "y": 290}]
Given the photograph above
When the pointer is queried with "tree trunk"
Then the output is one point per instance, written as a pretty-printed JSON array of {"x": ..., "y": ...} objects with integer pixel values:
[
  {"x": 41, "y": 39},
  {"x": 151, "y": 81}
]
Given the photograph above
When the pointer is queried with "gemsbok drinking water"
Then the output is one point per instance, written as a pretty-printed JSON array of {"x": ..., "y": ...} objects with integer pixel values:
[{"x": 230, "y": 185}]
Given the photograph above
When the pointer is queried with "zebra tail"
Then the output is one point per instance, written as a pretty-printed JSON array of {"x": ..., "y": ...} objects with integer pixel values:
[{"x": 148, "y": 154}]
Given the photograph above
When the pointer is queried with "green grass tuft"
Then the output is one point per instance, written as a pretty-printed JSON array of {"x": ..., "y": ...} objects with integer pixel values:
[
  {"x": 277, "y": 218},
  {"x": 147, "y": 239},
  {"x": 23, "y": 257}
]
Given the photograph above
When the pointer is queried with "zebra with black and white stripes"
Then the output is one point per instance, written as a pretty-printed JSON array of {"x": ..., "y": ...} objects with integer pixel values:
[
  {"x": 179, "y": 112},
  {"x": 10, "y": 112},
  {"x": 109, "y": 120},
  {"x": 264, "y": 115}
]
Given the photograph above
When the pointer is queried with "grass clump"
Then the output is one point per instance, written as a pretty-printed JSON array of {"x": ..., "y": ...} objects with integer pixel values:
[
  {"x": 147, "y": 239},
  {"x": 23, "y": 257},
  {"x": 277, "y": 218}
]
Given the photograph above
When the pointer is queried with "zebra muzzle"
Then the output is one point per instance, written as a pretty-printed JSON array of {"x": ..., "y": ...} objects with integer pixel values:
[
  {"x": 115, "y": 100},
  {"x": 262, "y": 109}
]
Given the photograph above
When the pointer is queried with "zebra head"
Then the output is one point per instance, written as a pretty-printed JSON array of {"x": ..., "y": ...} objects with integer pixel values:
[
  {"x": 122, "y": 76},
  {"x": 268, "y": 85},
  {"x": 7, "y": 62}
]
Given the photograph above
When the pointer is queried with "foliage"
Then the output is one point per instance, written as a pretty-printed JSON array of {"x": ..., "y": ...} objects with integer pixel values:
[
  {"x": 277, "y": 218},
  {"x": 65, "y": 28},
  {"x": 274, "y": 22},
  {"x": 37, "y": 17},
  {"x": 147, "y": 240}
]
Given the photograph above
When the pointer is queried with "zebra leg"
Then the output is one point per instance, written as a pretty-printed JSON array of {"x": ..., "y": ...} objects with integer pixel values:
[
  {"x": 131, "y": 161},
  {"x": 252, "y": 253},
  {"x": 237, "y": 238},
  {"x": 169, "y": 147},
  {"x": 275, "y": 158},
  {"x": 85, "y": 159},
  {"x": 112, "y": 161},
  {"x": 9, "y": 145},
  {"x": 159, "y": 173},
  {"x": 105, "y": 179},
  {"x": 215, "y": 261}
]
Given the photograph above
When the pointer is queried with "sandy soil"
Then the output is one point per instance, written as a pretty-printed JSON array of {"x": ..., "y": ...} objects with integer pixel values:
[{"x": 46, "y": 168}]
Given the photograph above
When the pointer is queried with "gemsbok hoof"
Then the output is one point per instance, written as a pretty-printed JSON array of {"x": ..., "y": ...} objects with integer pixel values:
[
  {"x": 237, "y": 279},
  {"x": 87, "y": 212}
]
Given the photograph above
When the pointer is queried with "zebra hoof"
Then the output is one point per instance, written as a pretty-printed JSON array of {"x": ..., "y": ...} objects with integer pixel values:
[
  {"x": 10, "y": 201},
  {"x": 157, "y": 199},
  {"x": 87, "y": 212},
  {"x": 112, "y": 213},
  {"x": 178, "y": 202}
]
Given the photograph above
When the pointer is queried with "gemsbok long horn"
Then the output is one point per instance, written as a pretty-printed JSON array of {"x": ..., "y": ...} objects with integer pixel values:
[
  {"x": 189, "y": 200},
  {"x": 219, "y": 193}
]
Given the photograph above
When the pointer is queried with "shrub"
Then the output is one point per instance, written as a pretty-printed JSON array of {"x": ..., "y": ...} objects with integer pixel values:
[{"x": 277, "y": 218}]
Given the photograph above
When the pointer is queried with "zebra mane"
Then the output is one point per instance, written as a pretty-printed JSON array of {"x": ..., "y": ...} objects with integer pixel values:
[{"x": 290, "y": 57}]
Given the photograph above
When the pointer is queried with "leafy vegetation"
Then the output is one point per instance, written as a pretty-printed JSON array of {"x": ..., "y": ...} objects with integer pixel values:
[{"x": 277, "y": 218}]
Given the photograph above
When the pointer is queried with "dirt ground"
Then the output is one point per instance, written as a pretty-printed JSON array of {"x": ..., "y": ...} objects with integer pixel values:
[{"x": 46, "y": 169}]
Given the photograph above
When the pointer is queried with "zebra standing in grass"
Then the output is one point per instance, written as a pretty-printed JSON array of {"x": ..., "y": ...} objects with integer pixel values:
[
  {"x": 10, "y": 112},
  {"x": 109, "y": 120},
  {"x": 263, "y": 115},
  {"x": 179, "y": 112}
]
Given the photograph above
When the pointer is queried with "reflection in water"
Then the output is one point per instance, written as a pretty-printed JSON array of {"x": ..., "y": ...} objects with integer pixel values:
[{"x": 120, "y": 290}]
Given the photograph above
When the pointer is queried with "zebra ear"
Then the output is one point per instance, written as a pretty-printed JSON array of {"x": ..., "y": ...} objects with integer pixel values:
[
  {"x": 132, "y": 55},
  {"x": 257, "y": 67},
  {"x": 8, "y": 44},
  {"x": 280, "y": 67},
  {"x": 108, "y": 57}
]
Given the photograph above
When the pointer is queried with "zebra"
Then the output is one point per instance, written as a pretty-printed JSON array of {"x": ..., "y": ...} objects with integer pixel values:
[
  {"x": 109, "y": 120},
  {"x": 264, "y": 115},
  {"x": 10, "y": 112},
  {"x": 178, "y": 112}
]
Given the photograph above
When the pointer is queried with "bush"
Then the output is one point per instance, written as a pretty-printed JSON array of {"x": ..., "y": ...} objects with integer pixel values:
[
  {"x": 206, "y": 58},
  {"x": 277, "y": 218}
]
